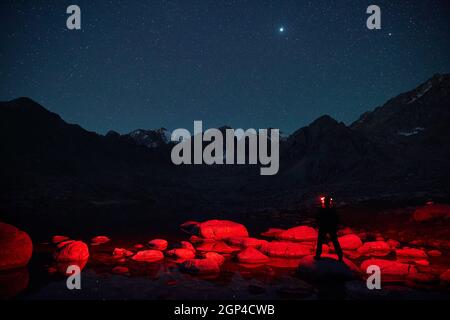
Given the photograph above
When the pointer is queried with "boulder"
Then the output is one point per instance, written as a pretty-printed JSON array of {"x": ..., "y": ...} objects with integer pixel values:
[
  {"x": 389, "y": 268},
  {"x": 99, "y": 240},
  {"x": 71, "y": 250},
  {"x": 181, "y": 253},
  {"x": 272, "y": 232},
  {"x": 245, "y": 242},
  {"x": 300, "y": 233},
  {"x": 58, "y": 239},
  {"x": 216, "y": 246},
  {"x": 12, "y": 282},
  {"x": 393, "y": 243},
  {"x": 375, "y": 248},
  {"x": 411, "y": 253},
  {"x": 200, "y": 266},
  {"x": 187, "y": 245},
  {"x": 327, "y": 268},
  {"x": 445, "y": 277},
  {"x": 350, "y": 242},
  {"x": 431, "y": 212},
  {"x": 215, "y": 257},
  {"x": 158, "y": 244},
  {"x": 251, "y": 255},
  {"x": 148, "y": 256},
  {"x": 215, "y": 229},
  {"x": 120, "y": 253},
  {"x": 434, "y": 253},
  {"x": 16, "y": 247},
  {"x": 286, "y": 249}
]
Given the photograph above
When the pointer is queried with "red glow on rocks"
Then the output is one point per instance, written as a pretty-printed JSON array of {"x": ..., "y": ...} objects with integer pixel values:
[
  {"x": 375, "y": 248},
  {"x": 16, "y": 247},
  {"x": 181, "y": 253},
  {"x": 148, "y": 256},
  {"x": 251, "y": 255},
  {"x": 71, "y": 250},
  {"x": 158, "y": 244},
  {"x": 389, "y": 268},
  {"x": 99, "y": 240},
  {"x": 215, "y": 229},
  {"x": 300, "y": 233},
  {"x": 286, "y": 249}
]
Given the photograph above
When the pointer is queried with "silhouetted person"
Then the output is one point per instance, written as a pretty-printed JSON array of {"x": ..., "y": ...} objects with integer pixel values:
[{"x": 328, "y": 220}]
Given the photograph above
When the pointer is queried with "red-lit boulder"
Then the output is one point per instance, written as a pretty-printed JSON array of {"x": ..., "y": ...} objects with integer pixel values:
[
  {"x": 445, "y": 278},
  {"x": 215, "y": 257},
  {"x": 58, "y": 239},
  {"x": 120, "y": 253},
  {"x": 15, "y": 247},
  {"x": 272, "y": 232},
  {"x": 245, "y": 242},
  {"x": 389, "y": 268},
  {"x": 200, "y": 266},
  {"x": 345, "y": 231},
  {"x": 285, "y": 249},
  {"x": 350, "y": 242},
  {"x": 411, "y": 253},
  {"x": 148, "y": 256},
  {"x": 431, "y": 212},
  {"x": 216, "y": 229},
  {"x": 158, "y": 244},
  {"x": 12, "y": 282},
  {"x": 393, "y": 243},
  {"x": 300, "y": 233},
  {"x": 434, "y": 253},
  {"x": 99, "y": 240},
  {"x": 181, "y": 253},
  {"x": 251, "y": 255},
  {"x": 71, "y": 250},
  {"x": 216, "y": 246},
  {"x": 187, "y": 245},
  {"x": 327, "y": 268},
  {"x": 375, "y": 248}
]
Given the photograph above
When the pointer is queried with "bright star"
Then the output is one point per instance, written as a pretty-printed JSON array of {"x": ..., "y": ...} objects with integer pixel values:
[{"x": 281, "y": 29}]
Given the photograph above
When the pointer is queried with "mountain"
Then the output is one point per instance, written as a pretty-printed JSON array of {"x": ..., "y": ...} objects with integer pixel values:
[
  {"x": 399, "y": 150},
  {"x": 149, "y": 138}
]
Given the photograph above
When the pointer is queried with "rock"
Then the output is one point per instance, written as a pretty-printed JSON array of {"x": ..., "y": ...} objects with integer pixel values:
[
  {"x": 215, "y": 229},
  {"x": 422, "y": 262},
  {"x": 345, "y": 231},
  {"x": 138, "y": 246},
  {"x": 158, "y": 244},
  {"x": 215, "y": 257},
  {"x": 445, "y": 277},
  {"x": 99, "y": 240},
  {"x": 251, "y": 255},
  {"x": 120, "y": 270},
  {"x": 187, "y": 245},
  {"x": 200, "y": 266},
  {"x": 181, "y": 253},
  {"x": 411, "y": 253},
  {"x": 245, "y": 242},
  {"x": 431, "y": 212},
  {"x": 434, "y": 253},
  {"x": 120, "y": 253},
  {"x": 71, "y": 250},
  {"x": 350, "y": 242},
  {"x": 272, "y": 232},
  {"x": 422, "y": 278},
  {"x": 393, "y": 243},
  {"x": 148, "y": 256},
  {"x": 58, "y": 239},
  {"x": 285, "y": 249},
  {"x": 16, "y": 247},
  {"x": 216, "y": 246},
  {"x": 389, "y": 268},
  {"x": 327, "y": 268},
  {"x": 300, "y": 233},
  {"x": 375, "y": 248}
]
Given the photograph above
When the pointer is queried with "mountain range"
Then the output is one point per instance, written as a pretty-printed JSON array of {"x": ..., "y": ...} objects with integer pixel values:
[{"x": 399, "y": 150}]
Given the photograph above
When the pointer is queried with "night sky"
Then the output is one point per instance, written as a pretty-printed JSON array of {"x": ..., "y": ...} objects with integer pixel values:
[{"x": 151, "y": 64}]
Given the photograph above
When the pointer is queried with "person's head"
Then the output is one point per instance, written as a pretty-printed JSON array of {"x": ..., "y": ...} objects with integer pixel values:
[{"x": 326, "y": 201}]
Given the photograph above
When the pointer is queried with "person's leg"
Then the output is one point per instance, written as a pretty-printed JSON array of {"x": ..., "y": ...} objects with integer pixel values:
[
  {"x": 337, "y": 246},
  {"x": 320, "y": 240}
]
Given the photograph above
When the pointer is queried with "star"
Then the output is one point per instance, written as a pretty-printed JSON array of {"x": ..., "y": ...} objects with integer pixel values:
[{"x": 281, "y": 29}]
